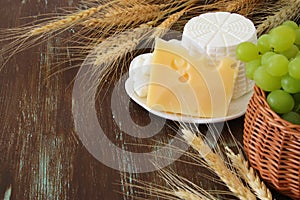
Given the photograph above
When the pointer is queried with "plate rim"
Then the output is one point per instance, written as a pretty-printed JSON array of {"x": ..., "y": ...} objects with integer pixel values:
[{"x": 182, "y": 118}]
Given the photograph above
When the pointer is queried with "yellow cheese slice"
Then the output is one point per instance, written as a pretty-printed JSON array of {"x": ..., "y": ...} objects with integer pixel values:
[{"x": 185, "y": 84}]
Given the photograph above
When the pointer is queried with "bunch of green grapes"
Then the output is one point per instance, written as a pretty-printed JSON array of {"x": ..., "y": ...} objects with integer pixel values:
[{"x": 274, "y": 65}]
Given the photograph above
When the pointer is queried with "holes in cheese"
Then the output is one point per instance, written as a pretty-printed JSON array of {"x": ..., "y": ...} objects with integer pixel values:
[
  {"x": 182, "y": 83},
  {"x": 184, "y": 78}
]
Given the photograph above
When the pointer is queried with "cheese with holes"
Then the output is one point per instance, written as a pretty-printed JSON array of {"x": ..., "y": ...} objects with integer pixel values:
[
  {"x": 182, "y": 83},
  {"x": 217, "y": 34}
]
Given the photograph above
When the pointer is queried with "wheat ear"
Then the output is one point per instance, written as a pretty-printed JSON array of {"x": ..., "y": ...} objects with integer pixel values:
[
  {"x": 32, "y": 35},
  {"x": 234, "y": 6},
  {"x": 167, "y": 23},
  {"x": 107, "y": 55},
  {"x": 67, "y": 20},
  {"x": 115, "y": 47},
  {"x": 249, "y": 175},
  {"x": 290, "y": 11},
  {"x": 244, "y": 7},
  {"x": 126, "y": 16},
  {"x": 215, "y": 162}
]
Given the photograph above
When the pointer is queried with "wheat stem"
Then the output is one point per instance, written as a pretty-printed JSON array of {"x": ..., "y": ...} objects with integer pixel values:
[
  {"x": 186, "y": 195},
  {"x": 214, "y": 161},
  {"x": 249, "y": 175},
  {"x": 184, "y": 188},
  {"x": 290, "y": 11}
]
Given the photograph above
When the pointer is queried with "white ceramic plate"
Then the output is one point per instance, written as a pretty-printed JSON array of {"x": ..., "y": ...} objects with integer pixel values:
[{"x": 236, "y": 109}]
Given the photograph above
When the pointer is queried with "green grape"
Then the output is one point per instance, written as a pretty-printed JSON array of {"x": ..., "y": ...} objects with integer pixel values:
[
  {"x": 263, "y": 43},
  {"x": 265, "y": 57},
  {"x": 291, "y": 52},
  {"x": 294, "y": 68},
  {"x": 280, "y": 101},
  {"x": 289, "y": 84},
  {"x": 251, "y": 67},
  {"x": 247, "y": 51},
  {"x": 277, "y": 65},
  {"x": 282, "y": 38},
  {"x": 290, "y": 24},
  {"x": 292, "y": 117},
  {"x": 266, "y": 81},
  {"x": 297, "y": 40}
]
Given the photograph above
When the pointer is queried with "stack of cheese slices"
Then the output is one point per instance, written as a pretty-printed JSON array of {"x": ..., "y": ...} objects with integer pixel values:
[{"x": 199, "y": 75}]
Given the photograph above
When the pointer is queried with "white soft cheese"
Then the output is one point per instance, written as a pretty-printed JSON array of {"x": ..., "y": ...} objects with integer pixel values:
[
  {"x": 139, "y": 71},
  {"x": 218, "y": 34}
]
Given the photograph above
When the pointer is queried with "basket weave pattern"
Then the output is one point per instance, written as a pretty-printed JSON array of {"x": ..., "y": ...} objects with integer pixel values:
[{"x": 272, "y": 146}]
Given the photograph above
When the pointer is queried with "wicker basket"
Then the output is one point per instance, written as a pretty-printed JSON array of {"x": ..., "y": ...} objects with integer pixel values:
[{"x": 272, "y": 146}]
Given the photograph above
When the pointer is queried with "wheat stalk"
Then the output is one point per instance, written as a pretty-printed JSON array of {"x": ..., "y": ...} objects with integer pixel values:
[
  {"x": 107, "y": 55},
  {"x": 29, "y": 36},
  {"x": 182, "y": 194},
  {"x": 218, "y": 166},
  {"x": 179, "y": 188},
  {"x": 249, "y": 175},
  {"x": 290, "y": 11},
  {"x": 183, "y": 188},
  {"x": 121, "y": 44},
  {"x": 67, "y": 20}
]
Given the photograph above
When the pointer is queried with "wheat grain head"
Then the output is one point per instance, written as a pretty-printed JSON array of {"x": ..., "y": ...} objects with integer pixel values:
[
  {"x": 290, "y": 11},
  {"x": 67, "y": 20},
  {"x": 249, "y": 175},
  {"x": 218, "y": 166}
]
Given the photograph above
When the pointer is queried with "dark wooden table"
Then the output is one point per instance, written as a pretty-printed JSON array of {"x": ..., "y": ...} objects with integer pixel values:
[{"x": 42, "y": 156}]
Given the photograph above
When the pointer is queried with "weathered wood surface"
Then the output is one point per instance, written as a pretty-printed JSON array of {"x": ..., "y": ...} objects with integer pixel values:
[{"x": 42, "y": 157}]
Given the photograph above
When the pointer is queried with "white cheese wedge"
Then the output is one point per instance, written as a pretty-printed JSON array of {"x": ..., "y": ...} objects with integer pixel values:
[
  {"x": 183, "y": 83},
  {"x": 139, "y": 71},
  {"x": 218, "y": 35}
]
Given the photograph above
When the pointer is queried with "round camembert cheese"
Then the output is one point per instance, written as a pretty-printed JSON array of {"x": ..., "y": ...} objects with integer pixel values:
[{"x": 218, "y": 34}]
